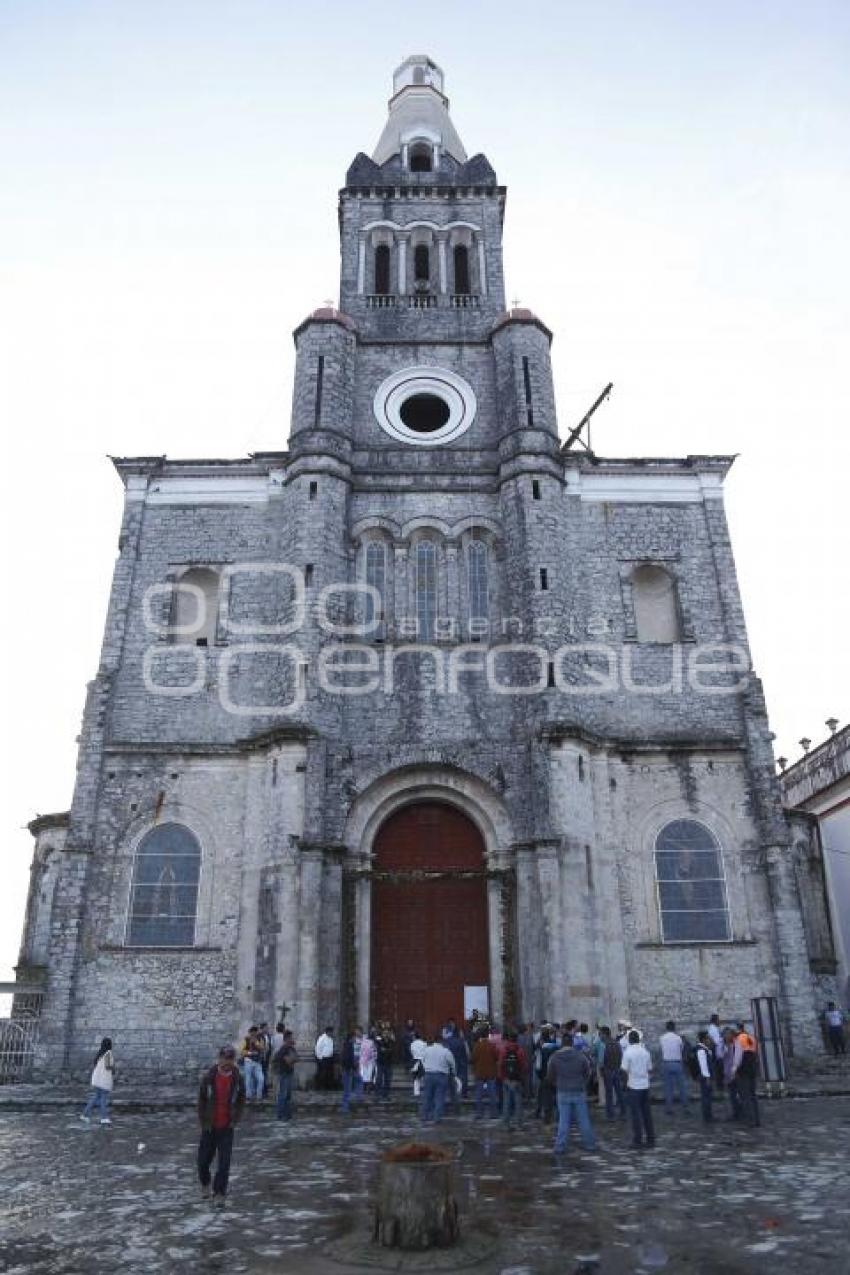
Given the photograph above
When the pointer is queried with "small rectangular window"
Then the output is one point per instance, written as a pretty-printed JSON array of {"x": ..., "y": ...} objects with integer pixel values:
[
  {"x": 308, "y": 574},
  {"x": 588, "y": 864},
  {"x": 535, "y": 489},
  {"x": 320, "y": 376},
  {"x": 526, "y": 376},
  {"x": 550, "y": 674},
  {"x": 544, "y": 578},
  {"x": 313, "y": 492}
]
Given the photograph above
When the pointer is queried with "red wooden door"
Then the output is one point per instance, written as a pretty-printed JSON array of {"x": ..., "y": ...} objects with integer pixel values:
[{"x": 429, "y": 915}]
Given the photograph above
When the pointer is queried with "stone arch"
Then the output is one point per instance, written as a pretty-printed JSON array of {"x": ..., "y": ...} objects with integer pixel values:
[
  {"x": 476, "y": 522},
  {"x": 428, "y": 782},
  {"x": 377, "y": 522},
  {"x": 435, "y": 525}
]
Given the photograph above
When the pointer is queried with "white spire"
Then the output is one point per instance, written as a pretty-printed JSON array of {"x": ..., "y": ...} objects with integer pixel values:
[{"x": 419, "y": 111}]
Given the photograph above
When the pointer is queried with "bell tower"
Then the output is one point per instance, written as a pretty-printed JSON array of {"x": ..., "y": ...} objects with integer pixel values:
[{"x": 421, "y": 222}]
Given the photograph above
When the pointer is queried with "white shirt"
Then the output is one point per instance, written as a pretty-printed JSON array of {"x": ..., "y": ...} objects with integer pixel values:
[
  {"x": 672, "y": 1046},
  {"x": 637, "y": 1065},
  {"x": 834, "y": 1017},
  {"x": 438, "y": 1058},
  {"x": 717, "y": 1040},
  {"x": 277, "y": 1041},
  {"x": 417, "y": 1049},
  {"x": 101, "y": 1077},
  {"x": 702, "y": 1059},
  {"x": 325, "y": 1046}
]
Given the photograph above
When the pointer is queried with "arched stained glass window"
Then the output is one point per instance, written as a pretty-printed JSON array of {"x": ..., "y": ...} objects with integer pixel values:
[
  {"x": 164, "y": 894},
  {"x": 376, "y": 576},
  {"x": 691, "y": 884},
  {"x": 476, "y": 566},
  {"x": 426, "y": 589}
]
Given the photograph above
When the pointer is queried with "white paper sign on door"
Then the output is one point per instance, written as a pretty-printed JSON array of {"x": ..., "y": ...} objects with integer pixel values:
[{"x": 476, "y": 998}]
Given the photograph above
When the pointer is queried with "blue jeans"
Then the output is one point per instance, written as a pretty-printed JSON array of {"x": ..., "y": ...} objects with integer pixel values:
[
  {"x": 215, "y": 1142},
  {"x": 613, "y": 1082},
  {"x": 490, "y": 1087},
  {"x": 435, "y": 1086},
  {"x": 100, "y": 1096},
  {"x": 675, "y": 1081},
  {"x": 569, "y": 1105},
  {"x": 352, "y": 1088},
  {"x": 705, "y": 1096},
  {"x": 253, "y": 1079},
  {"x": 284, "y": 1095},
  {"x": 641, "y": 1112},
  {"x": 512, "y": 1101},
  {"x": 383, "y": 1079}
]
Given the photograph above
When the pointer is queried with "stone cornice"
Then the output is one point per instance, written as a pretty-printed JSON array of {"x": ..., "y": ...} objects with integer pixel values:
[{"x": 42, "y": 822}]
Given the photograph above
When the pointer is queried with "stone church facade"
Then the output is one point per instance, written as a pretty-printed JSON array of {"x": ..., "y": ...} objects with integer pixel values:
[{"x": 426, "y": 708}]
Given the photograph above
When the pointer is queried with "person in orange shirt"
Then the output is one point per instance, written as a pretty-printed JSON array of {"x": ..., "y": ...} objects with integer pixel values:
[{"x": 745, "y": 1074}]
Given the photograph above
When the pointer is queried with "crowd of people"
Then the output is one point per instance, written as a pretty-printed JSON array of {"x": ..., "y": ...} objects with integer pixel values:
[
  {"x": 553, "y": 1072},
  {"x": 553, "y": 1067}
]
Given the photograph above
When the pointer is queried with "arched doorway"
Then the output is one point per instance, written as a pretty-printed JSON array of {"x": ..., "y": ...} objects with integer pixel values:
[{"x": 429, "y": 914}]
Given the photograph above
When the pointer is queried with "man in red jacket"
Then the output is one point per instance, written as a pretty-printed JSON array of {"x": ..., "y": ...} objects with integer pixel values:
[
  {"x": 513, "y": 1068},
  {"x": 221, "y": 1101}
]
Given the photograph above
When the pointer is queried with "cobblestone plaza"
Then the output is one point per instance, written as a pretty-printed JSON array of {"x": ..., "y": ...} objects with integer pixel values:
[{"x": 78, "y": 1200}]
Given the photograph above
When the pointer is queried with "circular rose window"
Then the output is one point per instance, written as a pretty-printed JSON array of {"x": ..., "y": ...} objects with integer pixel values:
[{"x": 425, "y": 406}]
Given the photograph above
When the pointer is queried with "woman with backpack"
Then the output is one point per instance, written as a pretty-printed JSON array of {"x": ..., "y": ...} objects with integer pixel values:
[{"x": 102, "y": 1078}]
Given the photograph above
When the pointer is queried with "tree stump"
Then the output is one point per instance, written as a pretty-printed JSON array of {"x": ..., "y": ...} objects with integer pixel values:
[{"x": 415, "y": 1207}]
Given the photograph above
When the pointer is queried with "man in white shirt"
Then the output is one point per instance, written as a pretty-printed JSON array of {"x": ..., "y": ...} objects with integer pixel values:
[
  {"x": 325, "y": 1059},
  {"x": 705, "y": 1052},
  {"x": 637, "y": 1064},
  {"x": 673, "y": 1069},
  {"x": 718, "y": 1047},
  {"x": 439, "y": 1067}
]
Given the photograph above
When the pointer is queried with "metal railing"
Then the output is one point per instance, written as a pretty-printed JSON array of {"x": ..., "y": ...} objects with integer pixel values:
[
  {"x": 422, "y": 301},
  {"x": 18, "y": 1040}
]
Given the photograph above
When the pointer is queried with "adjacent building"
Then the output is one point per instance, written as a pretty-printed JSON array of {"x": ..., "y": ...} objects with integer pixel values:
[{"x": 818, "y": 787}]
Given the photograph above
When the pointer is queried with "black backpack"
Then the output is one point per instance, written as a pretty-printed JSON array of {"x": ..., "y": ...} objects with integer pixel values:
[{"x": 513, "y": 1071}]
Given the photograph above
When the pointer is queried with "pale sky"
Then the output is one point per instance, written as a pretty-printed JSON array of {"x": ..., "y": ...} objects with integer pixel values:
[{"x": 678, "y": 205}]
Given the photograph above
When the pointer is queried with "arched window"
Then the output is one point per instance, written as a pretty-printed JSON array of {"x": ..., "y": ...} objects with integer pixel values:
[
  {"x": 479, "y": 598},
  {"x": 421, "y": 158},
  {"x": 656, "y": 606},
  {"x": 382, "y": 269},
  {"x": 376, "y": 573},
  {"x": 422, "y": 264},
  {"x": 164, "y": 894},
  {"x": 195, "y": 609},
  {"x": 691, "y": 884},
  {"x": 461, "y": 260},
  {"x": 426, "y": 589}
]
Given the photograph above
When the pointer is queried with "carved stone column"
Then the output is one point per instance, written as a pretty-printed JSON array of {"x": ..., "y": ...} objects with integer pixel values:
[{"x": 309, "y": 913}]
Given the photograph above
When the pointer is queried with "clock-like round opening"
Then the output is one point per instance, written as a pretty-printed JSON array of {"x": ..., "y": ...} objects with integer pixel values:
[
  {"x": 424, "y": 413},
  {"x": 424, "y": 406}
]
